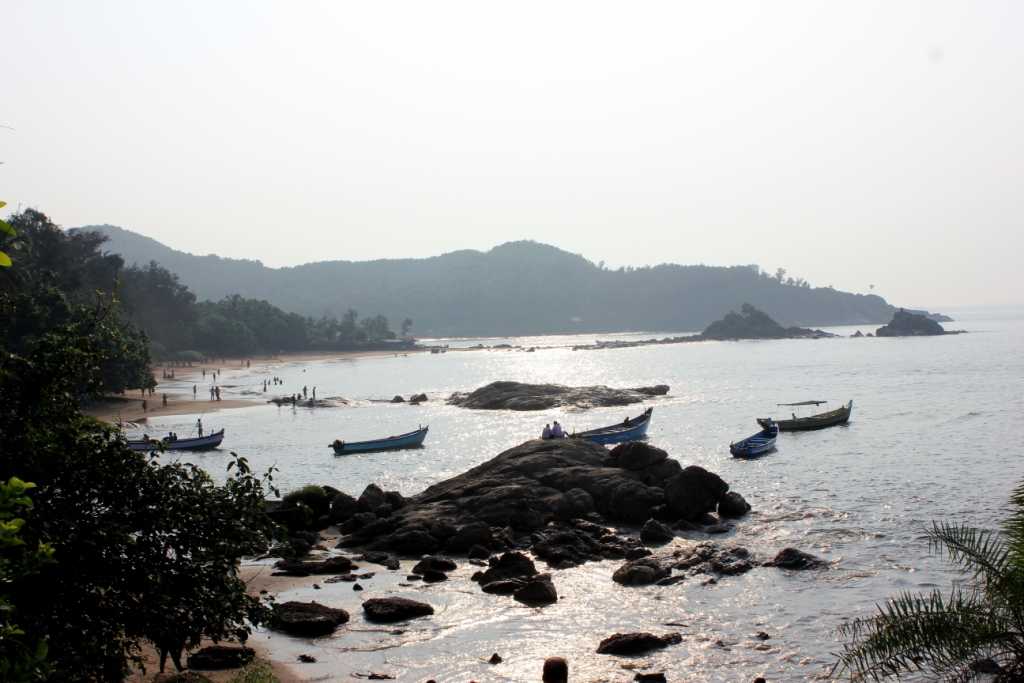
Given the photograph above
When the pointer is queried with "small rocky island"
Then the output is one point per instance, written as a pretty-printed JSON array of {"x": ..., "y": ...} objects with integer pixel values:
[
  {"x": 907, "y": 324},
  {"x": 753, "y": 323},
  {"x": 520, "y": 396}
]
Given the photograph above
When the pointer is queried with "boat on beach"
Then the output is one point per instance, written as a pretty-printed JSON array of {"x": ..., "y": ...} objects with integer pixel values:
[
  {"x": 757, "y": 444},
  {"x": 412, "y": 439},
  {"x": 197, "y": 443},
  {"x": 827, "y": 419},
  {"x": 632, "y": 429}
]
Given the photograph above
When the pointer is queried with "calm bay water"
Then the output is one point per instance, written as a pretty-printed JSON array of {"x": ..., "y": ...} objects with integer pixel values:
[{"x": 936, "y": 433}]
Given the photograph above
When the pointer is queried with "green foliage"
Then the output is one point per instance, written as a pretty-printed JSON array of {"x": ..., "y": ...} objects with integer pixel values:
[
  {"x": 22, "y": 658},
  {"x": 7, "y": 230},
  {"x": 143, "y": 550},
  {"x": 945, "y": 636},
  {"x": 312, "y": 497},
  {"x": 257, "y": 672}
]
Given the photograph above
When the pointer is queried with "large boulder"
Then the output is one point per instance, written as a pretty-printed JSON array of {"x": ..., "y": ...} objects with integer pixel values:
[
  {"x": 371, "y": 499},
  {"x": 732, "y": 504},
  {"x": 537, "y": 591},
  {"x": 636, "y": 643},
  {"x": 655, "y": 533},
  {"x": 632, "y": 501},
  {"x": 635, "y": 455},
  {"x": 907, "y": 324},
  {"x": 308, "y": 619},
  {"x": 791, "y": 558},
  {"x": 520, "y": 396},
  {"x": 641, "y": 572},
  {"x": 389, "y": 610},
  {"x": 694, "y": 492},
  {"x": 513, "y": 565},
  {"x": 343, "y": 506}
]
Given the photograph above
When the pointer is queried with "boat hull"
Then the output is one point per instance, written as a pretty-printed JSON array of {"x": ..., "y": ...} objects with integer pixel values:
[
  {"x": 757, "y": 444},
  {"x": 633, "y": 429},
  {"x": 199, "y": 443},
  {"x": 393, "y": 443},
  {"x": 802, "y": 424}
]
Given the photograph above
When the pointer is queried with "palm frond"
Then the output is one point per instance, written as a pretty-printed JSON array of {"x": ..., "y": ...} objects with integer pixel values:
[
  {"x": 1013, "y": 528},
  {"x": 928, "y": 633},
  {"x": 981, "y": 552}
]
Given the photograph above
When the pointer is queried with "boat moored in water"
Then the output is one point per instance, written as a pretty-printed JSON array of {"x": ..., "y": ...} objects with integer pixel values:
[
  {"x": 757, "y": 444},
  {"x": 412, "y": 439},
  {"x": 833, "y": 417},
  {"x": 632, "y": 429},
  {"x": 198, "y": 443}
]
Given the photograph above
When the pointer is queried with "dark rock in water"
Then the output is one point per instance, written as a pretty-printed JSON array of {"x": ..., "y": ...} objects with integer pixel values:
[
  {"x": 219, "y": 657},
  {"x": 761, "y": 635},
  {"x": 519, "y": 396},
  {"x": 556, "y": 670},
  {"x": 388, "y": 610},
  {"x": 635, "y": 455},
  {"x": 434, "y": 576},
  {"x": 718, "y": 528},
  {"x": 537, "y": 591},
  {"x": 706, "y": 558},
  {"x": 478, "y": 552},
  {"x": 495, "y": 659},
  {"x": 413, "y": 577},
  {"x": 347, "y": 578},
  {"x": 356, "y": 587},
  {"x": 693, "y": 492},
  {"x": 512, "y": 565},
  {"x": 418, "y": 398},
  {"x": 672, "y": 580},
  {"x": 791, "y": 558},
  {"x": 636, "y": 643},
  {"x": 380, "y": 557},
  {"x": 397, "y": 399},
  {"x": 642, "y": 572},
  {"x": 732, "y": 504},
  {"x": 651, "y": 677},
  {"x": 343, "y": 506},
  {"x": 857, "y": 335},
  {"x": 332, "y": 565},
  {"x": 437, "y": 564},
  {"x": 637, "y": 553},
  {"x": 308, "y": 619},
  {"x": 503, "y": 586},
  {"x": 907, "y": 324},
  {"x": 731, "y": 561},
  {"x": 655, "y": 533},
  {"x": 307, "y": 659}
]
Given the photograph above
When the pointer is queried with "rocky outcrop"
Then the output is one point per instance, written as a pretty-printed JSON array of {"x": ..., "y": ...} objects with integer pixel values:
[
  {"x": 636, "y": 643},
  {"x": 752, "y": 323},
  {"x": 791, "y": 558},
  {"x": 642, "y": 572},
  {"x": 308, "y": 619},
  {"x": 907, "y": 324},
  {"x": 539, "y": 494},
  {"x": 519, "y": 396},
  {"x": 390, "y": 610}
]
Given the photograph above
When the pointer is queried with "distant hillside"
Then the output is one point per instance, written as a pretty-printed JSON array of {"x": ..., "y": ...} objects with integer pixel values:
[{"x": 516, "y": 288}]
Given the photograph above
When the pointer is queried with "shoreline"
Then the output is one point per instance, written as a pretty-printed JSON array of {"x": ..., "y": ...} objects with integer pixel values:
[{"x": 121, "y": 409}]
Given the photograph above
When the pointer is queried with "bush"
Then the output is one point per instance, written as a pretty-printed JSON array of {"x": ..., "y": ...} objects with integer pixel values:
[{"x": 313, "y": 497}]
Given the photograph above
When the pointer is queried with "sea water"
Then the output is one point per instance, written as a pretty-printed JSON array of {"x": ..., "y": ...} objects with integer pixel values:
[{"x": 936, "y": 434}]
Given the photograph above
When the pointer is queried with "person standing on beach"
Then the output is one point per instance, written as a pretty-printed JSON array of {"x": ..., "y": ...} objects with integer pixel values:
[
  {"x": 314, "y": 393},
  {"x": 199, "y": 426},
  {"x": 143, "y": 405},
  {"x": 218, "y": 393},
  {"x": 194, "y": 389},
  {"x": 304, "y": 394},
  {"x": 165, "y": 400}
]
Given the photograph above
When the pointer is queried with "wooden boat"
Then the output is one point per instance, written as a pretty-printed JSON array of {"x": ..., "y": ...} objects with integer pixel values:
[
  {"x": 833, "y": 417},
  {"x": 633, "y": 429},
  {"x": 756, "y": 445},
  {"x": 198, "y": 443},
  {"x": 392, "y": 443}
]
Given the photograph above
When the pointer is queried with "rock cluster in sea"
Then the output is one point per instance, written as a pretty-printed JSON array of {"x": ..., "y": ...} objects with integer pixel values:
[
  {"x": 907, "y": 324},
  {"x": 520, "y": 396}
]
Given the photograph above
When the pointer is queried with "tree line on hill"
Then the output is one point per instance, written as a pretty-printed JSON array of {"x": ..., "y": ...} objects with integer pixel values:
[
  {"x": 176, "y": 324},
  {"x": 513, "y": 289}
]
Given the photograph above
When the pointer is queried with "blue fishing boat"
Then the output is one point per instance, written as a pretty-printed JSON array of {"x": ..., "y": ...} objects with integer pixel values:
[
  {"x": 756, "y": 445},
  {"x": 392, "y": 443},
  {"x": 632, "y": 429},
  {"x": 198, "y": 443}
]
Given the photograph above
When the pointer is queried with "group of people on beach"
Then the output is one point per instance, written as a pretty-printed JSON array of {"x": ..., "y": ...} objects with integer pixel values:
[{"x": 553, "y": 431}]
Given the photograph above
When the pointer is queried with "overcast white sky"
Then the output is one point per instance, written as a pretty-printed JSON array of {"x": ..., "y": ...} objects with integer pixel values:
[{"x": 852, "y": 143}]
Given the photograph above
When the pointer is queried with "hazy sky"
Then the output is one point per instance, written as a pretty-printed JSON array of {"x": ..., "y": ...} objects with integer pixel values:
[{"x": 853, "y": 144}]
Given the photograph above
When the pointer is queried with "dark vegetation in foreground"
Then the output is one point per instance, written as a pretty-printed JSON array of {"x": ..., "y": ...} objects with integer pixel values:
[
  {"x": 101, "y": 548},
  {"x": 176, "y": 324}
]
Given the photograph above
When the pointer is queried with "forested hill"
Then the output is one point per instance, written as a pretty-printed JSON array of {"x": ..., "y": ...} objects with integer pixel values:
[{"x": 516, "y": 288}]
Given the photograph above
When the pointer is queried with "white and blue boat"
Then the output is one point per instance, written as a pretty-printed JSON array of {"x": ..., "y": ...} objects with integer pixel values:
[
  {"x": 197, "y": 443},
  {"x": 412, "y": 439},
  {"x": 632, "y": 429},
  {"x": 756, "y": 445}
]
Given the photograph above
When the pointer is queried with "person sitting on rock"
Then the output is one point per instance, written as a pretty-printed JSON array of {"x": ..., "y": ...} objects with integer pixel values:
[
  {"x": 556, "y": 431},
  {"x": 546, "y": 434}
]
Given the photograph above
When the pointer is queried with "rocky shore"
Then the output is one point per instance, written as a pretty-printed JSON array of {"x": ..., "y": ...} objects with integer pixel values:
[{"x": 520, "y": 396}]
